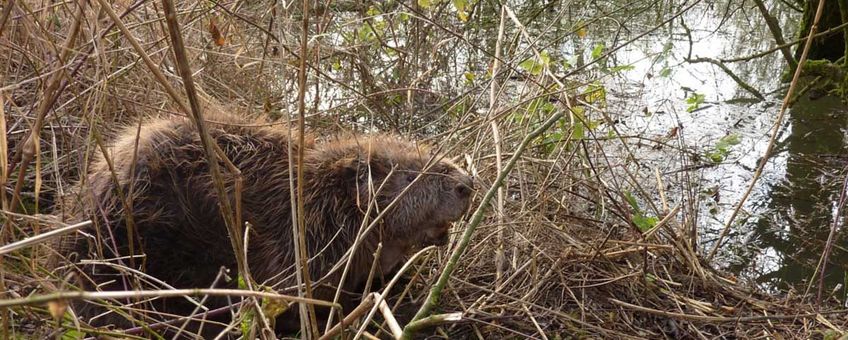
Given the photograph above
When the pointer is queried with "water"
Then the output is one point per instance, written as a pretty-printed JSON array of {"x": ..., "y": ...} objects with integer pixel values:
[
  {"x": 778, "y": 238},
  {"x": 788, "y": 238}
]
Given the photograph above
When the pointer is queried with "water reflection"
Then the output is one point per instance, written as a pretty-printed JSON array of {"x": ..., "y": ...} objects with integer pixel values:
[
  {"x": 779, "y": 236},
  {"x": 804, "y": 203}
]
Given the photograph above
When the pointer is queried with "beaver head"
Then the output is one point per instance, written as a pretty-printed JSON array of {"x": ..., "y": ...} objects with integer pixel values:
[{"x": 430, "y": 194}]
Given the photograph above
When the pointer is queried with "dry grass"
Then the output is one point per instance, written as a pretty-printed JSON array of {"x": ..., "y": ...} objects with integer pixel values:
[{"x": 556, "y": 253}]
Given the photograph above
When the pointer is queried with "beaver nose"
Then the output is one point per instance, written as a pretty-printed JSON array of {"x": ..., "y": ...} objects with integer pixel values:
[{"x": 465, "y": 186}]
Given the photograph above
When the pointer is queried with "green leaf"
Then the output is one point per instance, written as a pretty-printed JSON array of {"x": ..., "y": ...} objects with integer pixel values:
[
  {"x": 665, "y": 72},
  {"x": 393, "y": 100},
  {"x": 553, "y": 137},
  {"x": 667, "y": 47},
  {"x": 531, "y": 66},
  {"x": 535, "y": 66},
  {"x": 644, "y": 223},
  {"x": 517, "y": 117},
  {"x": 722, "y": 148},
  {"x": 73, "y": 334},
  {"x": 469, "y": 78},
  {"x": 595, "y": 93},
  {"x": 366, "y": 34},
  {"x": 715, "y": 157},
  {"x": 545, "y": 58},
  {"x": 372, "y": 11},
  {"x": 579, "y": 111},
  {"x": 272, "y": 307},
  {"x": 621, "y": 68},
  {"x": 579, "y": 132},
  {"x": 247, "y": 321},
  {"x": 694, "y": 102},
  {"x": 650, "y": 277},
  {"x": 598, "y": 50},
  {"x": 461, "y": 6},
  {"x": 727, "y": 141},
  {"x": 632, "y": 201},
  {"x": 832, "y": 335},
  {"x": 534, "y": 105},
  {"x": 425, "y": 4}
]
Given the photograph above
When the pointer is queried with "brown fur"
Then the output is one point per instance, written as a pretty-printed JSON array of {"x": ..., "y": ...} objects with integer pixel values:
[{"x": 182, "y": 234}]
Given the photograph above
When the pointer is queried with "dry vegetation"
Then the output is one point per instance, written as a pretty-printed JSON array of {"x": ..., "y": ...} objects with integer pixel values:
[{"x": 557, "y": 252}]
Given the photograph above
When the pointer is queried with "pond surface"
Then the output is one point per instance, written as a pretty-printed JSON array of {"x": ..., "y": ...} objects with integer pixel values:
[{"x": 779, "y": 236}]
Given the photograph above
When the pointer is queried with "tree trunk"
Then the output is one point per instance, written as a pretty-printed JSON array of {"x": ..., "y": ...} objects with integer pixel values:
[{"x": 830, "y": 47}]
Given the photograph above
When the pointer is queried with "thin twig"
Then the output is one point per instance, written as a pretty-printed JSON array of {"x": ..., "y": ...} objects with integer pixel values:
[
  {"x": 139, "y": 294},
  {"x": 307, "y": 313},
  {"x": 42, "y": 237}
]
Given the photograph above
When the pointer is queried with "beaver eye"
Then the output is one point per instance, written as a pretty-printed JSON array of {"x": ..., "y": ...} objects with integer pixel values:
[{"x": 410, "y": 178}]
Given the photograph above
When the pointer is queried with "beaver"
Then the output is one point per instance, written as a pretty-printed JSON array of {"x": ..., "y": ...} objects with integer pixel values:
[{"x": 161, "y": 170}]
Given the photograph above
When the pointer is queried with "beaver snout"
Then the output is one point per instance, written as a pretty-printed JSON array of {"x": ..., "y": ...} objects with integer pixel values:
[{"x": 441, "y": 238}]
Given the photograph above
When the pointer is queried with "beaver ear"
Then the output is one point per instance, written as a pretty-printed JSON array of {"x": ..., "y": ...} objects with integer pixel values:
[
  {"x": 346, "y": 167},
  {"x": 353, "y": 167}
]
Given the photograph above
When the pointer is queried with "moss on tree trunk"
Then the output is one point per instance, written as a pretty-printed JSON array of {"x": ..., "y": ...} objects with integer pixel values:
[{"x": 830, "y": 47}]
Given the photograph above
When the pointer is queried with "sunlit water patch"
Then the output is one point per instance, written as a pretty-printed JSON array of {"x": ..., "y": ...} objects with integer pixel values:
[{"x": 778, "y": 237}]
